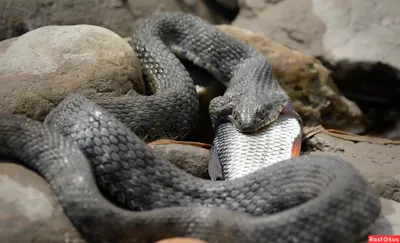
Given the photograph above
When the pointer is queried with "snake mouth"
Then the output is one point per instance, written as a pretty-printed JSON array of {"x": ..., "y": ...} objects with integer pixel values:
[
  {"x": 248, "y": 129},
  {"x": 264, "y": 123},
  {"x": 269, "y": 119},
  {"x": 254, "y": 127},
  {"x": 258, "y": 124}
]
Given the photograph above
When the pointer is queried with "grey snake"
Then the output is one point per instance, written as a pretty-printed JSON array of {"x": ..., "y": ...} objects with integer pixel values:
[{"x": 85, "y": 149}]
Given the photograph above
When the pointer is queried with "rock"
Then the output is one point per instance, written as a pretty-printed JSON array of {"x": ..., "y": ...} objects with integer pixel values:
[
  {"x": 351, "y": 34},
  {"x": 375, "y": 87},
  {"x": 120, "y": 16},
  {"x": 378, "y": 163},
  {"x": 360, "y": 49},
  {"x": 290, "y": 22},
  {"x": 308, "y": 83},
  {"x": 191, "y": 159},
  {"x": 363, "y": 50},
  {"x": 30, "y": 213},
  {"x": 39, "y": 68},
  {"x": 339, "y": 30}
]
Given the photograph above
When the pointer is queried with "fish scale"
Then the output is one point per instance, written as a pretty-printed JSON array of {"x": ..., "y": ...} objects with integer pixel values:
[{"x": 236, "y": 154}]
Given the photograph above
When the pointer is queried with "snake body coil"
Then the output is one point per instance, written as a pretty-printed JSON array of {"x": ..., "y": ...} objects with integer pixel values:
[
  {"x": 316, "y": 199},
  {"x": 252, "y": 100},
  {"x": 311, "y": 198}
]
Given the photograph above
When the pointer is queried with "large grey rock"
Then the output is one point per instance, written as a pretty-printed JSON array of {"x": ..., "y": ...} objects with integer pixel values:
[
  {"x": 292, "y": 23},
  {"x": 29, "y": 211},
  {"x": 359, "y": 30},
  {"x": 41, "y": 67},
  {"x": 120, "y": 16},
  {"x": 361, "y": 42}
]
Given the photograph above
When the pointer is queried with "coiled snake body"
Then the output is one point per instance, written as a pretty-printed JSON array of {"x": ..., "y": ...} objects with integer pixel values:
[{"x": 310, "y": 198}]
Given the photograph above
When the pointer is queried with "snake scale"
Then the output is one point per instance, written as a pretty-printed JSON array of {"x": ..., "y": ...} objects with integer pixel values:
[{"x": 87, "y": 148}]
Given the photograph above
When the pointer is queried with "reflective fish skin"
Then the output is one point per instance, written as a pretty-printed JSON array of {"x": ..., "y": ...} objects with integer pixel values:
[{"x": 235, "y": 154}]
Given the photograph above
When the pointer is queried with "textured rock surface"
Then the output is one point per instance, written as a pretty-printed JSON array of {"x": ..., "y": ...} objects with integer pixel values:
[
  {"x": 364, "y": 30},
  {"x": 120, "y": 16},
  {"x": 361, "y": 42},
  {"x": 315, "y": 96},
  {"x": 29, "y": 211},
  {"x": 360, "y": 30},
  {"x": 39, "y": 68},
  {"x": 289, "y": 22},
  {"x": 378, "y": 163}
]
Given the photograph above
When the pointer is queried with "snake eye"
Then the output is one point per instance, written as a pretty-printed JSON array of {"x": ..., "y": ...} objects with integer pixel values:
[
  {"x": 235, "y": 114},
  {"x": 263, "y": 111}
]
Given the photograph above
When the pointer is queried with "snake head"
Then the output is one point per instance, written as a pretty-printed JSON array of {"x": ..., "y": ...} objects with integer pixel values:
[{"x": 250, "y": 116}]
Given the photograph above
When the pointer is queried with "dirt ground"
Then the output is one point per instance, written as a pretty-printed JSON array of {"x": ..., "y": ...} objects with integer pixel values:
[{"x": 377, "y": 159}]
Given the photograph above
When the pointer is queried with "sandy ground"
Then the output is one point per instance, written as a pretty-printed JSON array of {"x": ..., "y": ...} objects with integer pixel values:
[{"x": 377, "y": 160}]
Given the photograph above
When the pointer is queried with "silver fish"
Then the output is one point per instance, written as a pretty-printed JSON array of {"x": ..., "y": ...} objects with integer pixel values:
[{"x": 235, "y": 154}]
